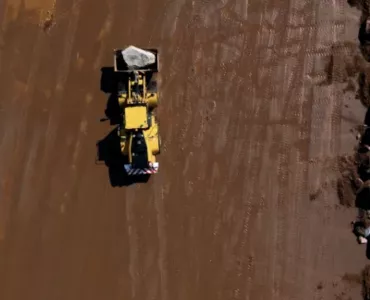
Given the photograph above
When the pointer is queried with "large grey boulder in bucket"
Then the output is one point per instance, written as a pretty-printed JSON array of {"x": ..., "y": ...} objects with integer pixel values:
[{"x": 137, "y": 58}]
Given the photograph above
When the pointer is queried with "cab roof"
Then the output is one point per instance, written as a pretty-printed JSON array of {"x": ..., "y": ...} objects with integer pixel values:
[{"x": 136, "y": 117}]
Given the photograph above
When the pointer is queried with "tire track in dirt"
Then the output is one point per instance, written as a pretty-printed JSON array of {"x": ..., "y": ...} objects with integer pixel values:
[
  {"x": 182, "y": 65},
  {"x": 176, "y": 68},
  {"x": 283, "y": 165},
  {"x": 3, "y": 10},
  {"x": 76, "y": 162},
  {"x": 61, "y": 78},
  {"x": 105, "y": 30},
  {"x": 201, "y": 91},
  {"x": 25, "y": 207},
  {"x": 304, "y": 250},
  {"x": 192, "y": 99},
  {"x": 133, "y": 246},
  {"x": 278, "y": 270},
  {"x": 177, "y": 64},
  {"x": 260, "y": 108},
  {"x": 7, "y": 184},
  {"x": 229, "y": 130},
  {"x": 20, "y": 134},
  {"x": 298, "y": 159},
  {"x": 288, "y": 227},
  {"x": 287, "y": 222},
  {"x": 327, "y": 148},
  {"x": 53, "y": 121},
  {"x": 256, "y": 135},
  {"x": 279, "y": 227},
  {"x": 159, "y": 196},
  {"x": 250, "y": 210},
  {"x": 40, "y": 197}
]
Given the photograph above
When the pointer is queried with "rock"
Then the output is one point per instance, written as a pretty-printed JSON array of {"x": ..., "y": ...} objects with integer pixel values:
[{"x": 137, "y": 58}]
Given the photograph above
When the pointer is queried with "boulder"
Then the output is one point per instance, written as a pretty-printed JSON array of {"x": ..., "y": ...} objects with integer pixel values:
[{"x": 137, "y": 58}]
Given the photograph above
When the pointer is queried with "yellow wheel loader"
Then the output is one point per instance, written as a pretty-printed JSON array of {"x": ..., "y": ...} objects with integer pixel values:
[{"x": 138, "y": 98}]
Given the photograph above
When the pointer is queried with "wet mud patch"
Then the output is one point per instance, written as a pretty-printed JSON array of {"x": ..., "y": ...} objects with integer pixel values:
[{"x": 346, "y": 188}]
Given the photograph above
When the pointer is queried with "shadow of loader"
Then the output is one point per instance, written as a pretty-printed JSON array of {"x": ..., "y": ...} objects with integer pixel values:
[{"x": 109, "y": 153}]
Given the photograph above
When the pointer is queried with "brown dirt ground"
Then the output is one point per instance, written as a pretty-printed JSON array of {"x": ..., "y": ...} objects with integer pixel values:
[
  {"x": 259, "y": 98},
  {"x": 366, "y": 282},
  {"x": 346, "y": 186}
]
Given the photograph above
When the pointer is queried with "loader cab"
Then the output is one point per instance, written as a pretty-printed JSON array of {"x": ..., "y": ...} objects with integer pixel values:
[
  {"x": 138, "y": 151},
  {"x": 136, "y": 117}
]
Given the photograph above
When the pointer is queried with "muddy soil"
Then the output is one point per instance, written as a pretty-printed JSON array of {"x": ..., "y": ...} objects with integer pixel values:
[{"x": 258, "y": 104}]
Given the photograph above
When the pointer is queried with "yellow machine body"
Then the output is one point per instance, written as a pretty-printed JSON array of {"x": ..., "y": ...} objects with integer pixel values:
[
  {"x": 151, "y": 136},
  {"x": 136, "y": 117},
  {"x": 139, "y": 131}
]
